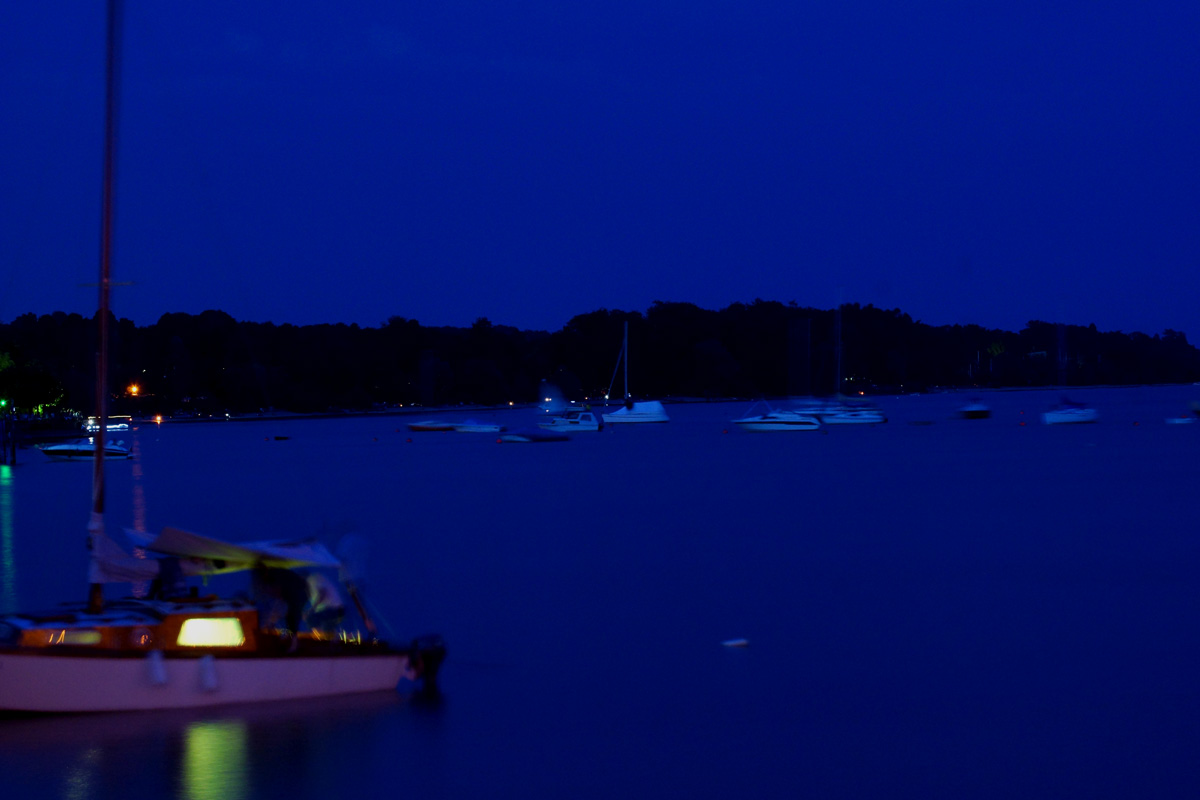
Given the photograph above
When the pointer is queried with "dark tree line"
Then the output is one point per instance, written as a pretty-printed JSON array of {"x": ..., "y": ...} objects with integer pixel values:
[{"x": 210, "y": 363}]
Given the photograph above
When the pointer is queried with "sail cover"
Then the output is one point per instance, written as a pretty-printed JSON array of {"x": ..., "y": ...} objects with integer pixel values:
[
  {"x": 196, "y": 554},
  {"x": 286, "y": 554}
]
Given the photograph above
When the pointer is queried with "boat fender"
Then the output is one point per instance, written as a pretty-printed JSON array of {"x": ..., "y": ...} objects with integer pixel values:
[
  {"x": 156, "y": 669},
  {"x": 208, "y": 673}
]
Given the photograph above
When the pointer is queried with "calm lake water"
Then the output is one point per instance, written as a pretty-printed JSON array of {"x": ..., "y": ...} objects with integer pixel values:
[{"x": 936, "y": 608}]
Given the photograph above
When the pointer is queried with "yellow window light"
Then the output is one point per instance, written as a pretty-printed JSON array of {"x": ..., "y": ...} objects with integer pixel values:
[
  {"x": 211, "y": 632},
  {"x": 75, "y": 637}
]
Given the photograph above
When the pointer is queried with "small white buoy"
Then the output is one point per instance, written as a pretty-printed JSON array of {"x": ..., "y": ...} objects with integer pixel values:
[
  {"x": 735, "y": 642},
  {"x": 156, "y": 668}
]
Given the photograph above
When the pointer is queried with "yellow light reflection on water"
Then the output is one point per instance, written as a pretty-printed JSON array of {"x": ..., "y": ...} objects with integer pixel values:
[
  {"x": 8, "y": 564},
  {"x": 214, "y": 761},
  {"x": 79, "y": 777}
]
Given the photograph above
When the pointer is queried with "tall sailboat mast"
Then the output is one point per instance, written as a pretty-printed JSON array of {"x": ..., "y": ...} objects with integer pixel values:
[{"x": 107, "y": 202}]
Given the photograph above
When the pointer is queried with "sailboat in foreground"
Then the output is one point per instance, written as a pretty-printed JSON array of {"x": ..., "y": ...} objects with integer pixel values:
[
  {"x": 173, "y": 648},
  {"x": 643, "y": 411}
]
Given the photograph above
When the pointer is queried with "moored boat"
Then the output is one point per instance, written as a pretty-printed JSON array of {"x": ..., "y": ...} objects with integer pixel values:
[
  {"x": 838, "y": 412},
  {"x": 573, "y": 421},
  {"x": 1070, "y": 413},
  {"x": 630, "y": 412},
  {"x": 176, "y": 649},
  {"x": 644, "y": 411},
  {"x": 431, "y": 425},
  {"x": 777, "y": 420},
  {"x": 85, "y": 450},
  {"x": 976, "y": 409},
  {"x": 172, "y": 648},
  {"x": 112, "y": 424},
  {"x": 854, "y": 415},
  {"x": 475, "y": 426},
  {"x": 533, "y": 436}
]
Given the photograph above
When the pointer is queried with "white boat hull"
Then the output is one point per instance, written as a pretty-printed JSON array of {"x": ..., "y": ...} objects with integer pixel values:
[
  {"x": 777, "y": 422},
  {"x": 570, "y": 427},
  {"x": 1070, "y": 416},
  {"x": 58, "y": 684},
  {"x": 84, "y": 452},
  {"x": 573, "y": 422},
  {"x": 647, "y": 411},
  {"x": 853, "y": 418}
]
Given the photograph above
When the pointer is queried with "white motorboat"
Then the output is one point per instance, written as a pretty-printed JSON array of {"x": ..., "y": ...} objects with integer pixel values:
[
  {"x": 475, "y": 426},
  {"x": 431, "y": 425},
  {"x": 85, "y": 450},
  {"x": 854, "y": 415},
  {"x": 1069, "y": 413},
  {"x": 778, "y": 420},
  {"x": 976, "y": 409},
  {"x": 837, "y": 412},
  {"x": 112, "y": 424},
  {"x": 573, "y": 421},
  {"x": 643, "y": 411}
]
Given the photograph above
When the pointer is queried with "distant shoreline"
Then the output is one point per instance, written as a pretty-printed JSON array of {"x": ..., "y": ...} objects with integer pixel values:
[{"x": 30, "y": 437}]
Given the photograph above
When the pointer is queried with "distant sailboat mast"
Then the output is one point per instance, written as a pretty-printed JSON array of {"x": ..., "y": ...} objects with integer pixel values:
[
  {"x": 623, "y": 358},
  {"x": 625, "y": 351},
  {"x": 837, "y": 351}
]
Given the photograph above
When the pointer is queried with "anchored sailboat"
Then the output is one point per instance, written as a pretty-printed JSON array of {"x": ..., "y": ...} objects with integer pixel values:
[
  {"x": 643, "y": 411},
  {"x": 172, "y": 648}
]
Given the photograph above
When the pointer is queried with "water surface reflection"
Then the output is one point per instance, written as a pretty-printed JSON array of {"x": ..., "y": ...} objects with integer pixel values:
[
  {"x": 8, "y": 567},
  {"x": 265, "y": 750}
]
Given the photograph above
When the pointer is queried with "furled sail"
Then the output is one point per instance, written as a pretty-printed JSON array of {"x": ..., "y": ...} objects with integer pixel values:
[{"x": 194, "y": 554}]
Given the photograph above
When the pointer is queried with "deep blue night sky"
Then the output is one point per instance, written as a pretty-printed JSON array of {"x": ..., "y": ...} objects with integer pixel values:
[{"x": 314, "y": 162}]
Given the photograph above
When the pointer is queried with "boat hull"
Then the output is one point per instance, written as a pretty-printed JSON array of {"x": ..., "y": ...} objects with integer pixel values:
[
  {"x": 769, "y": 423},
  {"x": 645, "y": 411},
  {"x": 1070, "y": 416},
  {"x": 84, "y": 451},
  {"x": 853, "y": 418},
  {"x": 570, "y": 427},
  {"x": 431, "y": 426},
  {"x": 39, "y": 682},
  {"x": 573, "y": 422}
]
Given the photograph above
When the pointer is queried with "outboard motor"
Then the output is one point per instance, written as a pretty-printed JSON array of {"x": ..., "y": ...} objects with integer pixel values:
[{"x": 425, "y": 656}]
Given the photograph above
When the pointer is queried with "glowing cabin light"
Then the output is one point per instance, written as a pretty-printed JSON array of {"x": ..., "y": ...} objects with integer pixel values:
[
  {"x": 75, "y": 637},
  {"x": 158, "y": 418},
  {"x": 211, "y": 632},
  {"x": 133, "y": 389}
]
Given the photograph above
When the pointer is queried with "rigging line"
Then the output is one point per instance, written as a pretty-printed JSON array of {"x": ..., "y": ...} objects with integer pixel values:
[{"x": 622, "y": 357}]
